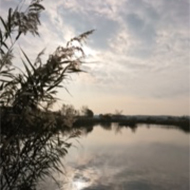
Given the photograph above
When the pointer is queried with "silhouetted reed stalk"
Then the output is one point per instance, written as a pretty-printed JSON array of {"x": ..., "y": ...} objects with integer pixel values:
[{"x": 32, "y": 137}]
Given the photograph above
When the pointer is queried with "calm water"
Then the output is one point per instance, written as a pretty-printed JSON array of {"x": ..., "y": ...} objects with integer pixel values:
[{"x": 146, "y": 158}]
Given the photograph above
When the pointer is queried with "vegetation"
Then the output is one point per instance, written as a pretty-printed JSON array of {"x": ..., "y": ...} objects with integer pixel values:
[
  {"x": 33, "y": 138},
  {"x": 132, "y": 121},
  {"x": 87, "y": 112}
]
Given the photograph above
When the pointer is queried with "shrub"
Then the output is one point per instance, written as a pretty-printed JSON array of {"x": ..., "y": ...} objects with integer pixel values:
[{"x": 87, "y": 112}]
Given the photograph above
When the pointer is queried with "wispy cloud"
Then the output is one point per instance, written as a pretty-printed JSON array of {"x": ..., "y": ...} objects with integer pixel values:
[{"x": 141, "y": 47}]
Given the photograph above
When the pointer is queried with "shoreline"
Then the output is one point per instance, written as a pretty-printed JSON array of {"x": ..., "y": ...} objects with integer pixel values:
[{"x": 182, "y": 122}]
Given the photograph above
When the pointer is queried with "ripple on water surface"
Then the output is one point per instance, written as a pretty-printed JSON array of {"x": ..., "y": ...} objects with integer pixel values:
[{"x": 151, "y": 158}]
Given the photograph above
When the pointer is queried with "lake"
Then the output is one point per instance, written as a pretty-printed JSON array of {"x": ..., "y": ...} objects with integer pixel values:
[{"x": 144, "y": 157}]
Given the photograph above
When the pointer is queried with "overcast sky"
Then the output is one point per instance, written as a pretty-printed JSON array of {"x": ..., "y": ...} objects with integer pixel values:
[{"x": 140, "y": 49}]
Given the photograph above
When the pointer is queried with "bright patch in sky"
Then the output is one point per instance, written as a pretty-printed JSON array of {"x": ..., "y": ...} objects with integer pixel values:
[{"x": 140, "y": 49}]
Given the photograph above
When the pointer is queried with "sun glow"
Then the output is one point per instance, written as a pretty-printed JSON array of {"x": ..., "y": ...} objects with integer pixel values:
[
  {"x": 88, "y": 51},
  {"x": 81, "y": 179},
  {"x": 79, "y": 185}
]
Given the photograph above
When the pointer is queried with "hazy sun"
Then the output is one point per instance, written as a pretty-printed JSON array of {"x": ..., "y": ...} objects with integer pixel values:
[{"x": 79, "y": 185}]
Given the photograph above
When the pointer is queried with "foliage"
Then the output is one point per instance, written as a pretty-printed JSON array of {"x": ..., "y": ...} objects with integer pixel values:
[
  {"x": 33, "y": 138},
  {"x": 87, "y": 112},
  {"x": 70, "y": 114},
  {"x": 69, "y": 110},
  {"x": 118, "y": 112}
]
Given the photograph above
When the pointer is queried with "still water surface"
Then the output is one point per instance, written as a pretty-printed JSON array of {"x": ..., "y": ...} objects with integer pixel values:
[{"x": 110, "y": 157}]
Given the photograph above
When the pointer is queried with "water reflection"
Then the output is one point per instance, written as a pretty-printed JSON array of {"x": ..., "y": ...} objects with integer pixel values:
[
  {"x": 117, "y": 127},
  {"x": 114, "y": 157},
  {"x": 109, "y": 156}
]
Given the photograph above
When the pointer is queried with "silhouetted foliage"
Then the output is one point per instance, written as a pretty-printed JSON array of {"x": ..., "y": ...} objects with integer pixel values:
[
  {"x": 33, "y": 138},
  {"x": 87, "y": 112}
]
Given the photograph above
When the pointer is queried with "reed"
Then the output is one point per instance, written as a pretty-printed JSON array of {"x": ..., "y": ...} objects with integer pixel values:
[{"x": 33, "y": 138}]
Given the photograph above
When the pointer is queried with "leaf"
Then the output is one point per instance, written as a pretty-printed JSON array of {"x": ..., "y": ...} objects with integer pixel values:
[
  {"x": 19, "y": 33},
  {"x": 2, "y": 85},
  {"x": 38, "y": 59},
  {"x": 53, "y": 92},
  {"x": 2, "y": 52},
  {"x": 9, "y": 19},
  {"x": 28, "y": 60},
  {"x": 27, "y": 69},
  {"x": 5, "y": 74},
  {"x": 1, "y": 36},
  {"x": 5, "y": 26},
  {"x": 37, "y": 5},
  {"x": 2, "y": 80},
  {"x": 4, "y": 44}
]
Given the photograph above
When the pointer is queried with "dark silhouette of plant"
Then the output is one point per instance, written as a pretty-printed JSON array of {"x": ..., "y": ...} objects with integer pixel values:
[
  {"x": 118, "y": 112},
  {"x": 33, "y": 138},
  {"x": 87, "y": 112}
]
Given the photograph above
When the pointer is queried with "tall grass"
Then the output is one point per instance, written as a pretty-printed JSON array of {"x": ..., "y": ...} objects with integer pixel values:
[{"x": 33, "y": 138}]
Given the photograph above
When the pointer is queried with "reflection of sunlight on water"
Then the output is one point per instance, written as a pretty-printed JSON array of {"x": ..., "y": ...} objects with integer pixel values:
[
  {"x": 127, "y": 161},
  {"x": 91, "y": 170},
  {"x": 80, "y": 178},
  {"x": 146, "y": 160},
  {"x": 79, "y": 185}
]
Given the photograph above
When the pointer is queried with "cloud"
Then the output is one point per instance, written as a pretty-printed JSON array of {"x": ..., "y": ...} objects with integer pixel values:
[
  {"x": 84, "y": 21},
  {"x": 118, "y": 166},
  {"x": 140, "y": 47}
]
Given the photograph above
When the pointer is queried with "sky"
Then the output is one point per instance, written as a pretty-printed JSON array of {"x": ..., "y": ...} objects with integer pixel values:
[{"x": 137, "y": 59}]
